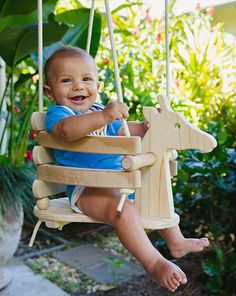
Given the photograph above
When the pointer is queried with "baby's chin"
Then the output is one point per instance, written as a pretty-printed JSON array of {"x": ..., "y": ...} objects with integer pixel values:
[{"x": 81, "y": 109}]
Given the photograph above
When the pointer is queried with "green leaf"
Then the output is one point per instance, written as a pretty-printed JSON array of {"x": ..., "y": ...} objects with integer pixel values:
[
  {"x": 222, "y": 137},
  {"x": 230, "y": 263},
  {"x": 73, "y": 17},
  {"x": 219, "y": 254},
  {"x": 11, "y": 18},
  {"x": 214, "y": 284},
  {"x": 18, "y": 30},
  {"x": 77, "y": 34},
  {"x": 22, "y": 79},
  {"x": 210, "y": 268},
  {"x": 12, "y": 7},
  {"x": 18, "y": 43},
  {"x": 123, "y": 6},
  {"x": 124, "y": 32}
]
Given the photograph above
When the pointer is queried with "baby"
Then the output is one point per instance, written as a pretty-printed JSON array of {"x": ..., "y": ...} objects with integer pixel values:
[{"x": 72, "y": 83}]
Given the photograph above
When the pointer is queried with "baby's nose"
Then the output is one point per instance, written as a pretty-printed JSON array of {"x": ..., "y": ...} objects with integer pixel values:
[{"x": 78, "y": 85}]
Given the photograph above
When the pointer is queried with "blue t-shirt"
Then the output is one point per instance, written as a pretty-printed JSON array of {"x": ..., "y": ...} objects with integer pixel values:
[{"x": 82, "y": 159}]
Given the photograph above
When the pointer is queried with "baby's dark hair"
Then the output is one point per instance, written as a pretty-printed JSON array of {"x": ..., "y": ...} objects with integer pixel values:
[{"x": 66, "y": 51}]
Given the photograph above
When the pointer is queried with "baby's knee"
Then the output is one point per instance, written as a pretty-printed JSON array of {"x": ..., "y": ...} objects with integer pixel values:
[
  {"x": 126, "y": 215},
  {"x": 129, "y": 209}
]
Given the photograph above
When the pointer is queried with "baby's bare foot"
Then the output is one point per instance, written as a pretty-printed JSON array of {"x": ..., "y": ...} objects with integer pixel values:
[
  {"x": 167, "y": 274},
  {"x": 187, "y": 245}
]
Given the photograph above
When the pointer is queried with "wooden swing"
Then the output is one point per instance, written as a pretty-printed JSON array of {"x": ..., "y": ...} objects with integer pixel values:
[{"x": 148, "y": 164}]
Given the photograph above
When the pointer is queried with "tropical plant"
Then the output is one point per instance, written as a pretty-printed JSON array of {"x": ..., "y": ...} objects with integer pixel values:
[
  {"x": 204, "y": 73},
  {"x": 205, "y": 187},
  {"x": 221, "y": 270},
  {"x": 18, "y": 47},
  {"x": 16, "y": 189}
]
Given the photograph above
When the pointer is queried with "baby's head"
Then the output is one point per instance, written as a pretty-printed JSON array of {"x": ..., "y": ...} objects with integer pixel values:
[
  {"x": 66, "y": 52},
  {"x": 71, "y": 78}
]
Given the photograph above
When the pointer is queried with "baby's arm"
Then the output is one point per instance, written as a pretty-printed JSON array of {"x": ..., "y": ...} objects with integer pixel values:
[{"x": 78, "y": 126}]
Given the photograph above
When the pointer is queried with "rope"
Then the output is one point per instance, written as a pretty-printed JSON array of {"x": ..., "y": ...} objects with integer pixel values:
[
  {"x": 33, "y": 236},
  {"x": 40, "y": 53},
  {"x": 124, "y": 192},
  {"x": 114, "y": 57},
  {"x": 90, "y": 29},
  {"x": 167, "y": 50}
]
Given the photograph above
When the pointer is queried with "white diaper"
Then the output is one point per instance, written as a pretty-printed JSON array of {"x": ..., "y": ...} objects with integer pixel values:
[{"x": 74, "y": 198}]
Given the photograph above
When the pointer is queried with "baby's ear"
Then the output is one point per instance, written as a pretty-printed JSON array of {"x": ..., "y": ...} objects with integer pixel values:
[
  {"x": 48, "y": 93},
  {"x": 98, "y": 85}
]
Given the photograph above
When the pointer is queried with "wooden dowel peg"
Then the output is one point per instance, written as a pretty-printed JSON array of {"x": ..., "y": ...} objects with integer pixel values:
[
  {"x": 121, "y": 202},
  {"x": 43, "y": 203},
  {"x": 124, "y": 194},
  {"x": 173, "y": 154},
  {"x": 131, "y": 163}
]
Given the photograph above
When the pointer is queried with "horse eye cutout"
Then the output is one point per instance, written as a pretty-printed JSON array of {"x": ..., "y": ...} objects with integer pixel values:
[{"x": 177, "y": 126}]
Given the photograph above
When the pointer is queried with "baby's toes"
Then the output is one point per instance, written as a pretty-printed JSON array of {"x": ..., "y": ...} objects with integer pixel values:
[
  {"x": 181, "y": 277},
  {"x": 175, "y": 280},
  {"x": 173, "y": 284},
  {"x": 204, "y": 242}
]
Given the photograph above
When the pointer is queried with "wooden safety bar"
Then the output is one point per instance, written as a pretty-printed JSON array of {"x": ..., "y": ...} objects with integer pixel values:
[
  {"x": 93, "y": 144},
  {"x": 86, "y": 177}
]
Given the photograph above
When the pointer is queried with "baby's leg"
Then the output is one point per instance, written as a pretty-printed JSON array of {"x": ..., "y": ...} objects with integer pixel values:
[
  {"x": 178, "y": 245},
  {"x": 101, "y": 204}
]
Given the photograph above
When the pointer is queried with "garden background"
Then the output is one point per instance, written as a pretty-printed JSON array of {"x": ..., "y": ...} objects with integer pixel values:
[{"x": 203, "y": 83}]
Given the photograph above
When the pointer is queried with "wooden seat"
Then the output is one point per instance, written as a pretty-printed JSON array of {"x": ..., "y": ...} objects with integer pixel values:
[
  {"x": 147, "y": 167},
  {"x": 61, "y": 211}
]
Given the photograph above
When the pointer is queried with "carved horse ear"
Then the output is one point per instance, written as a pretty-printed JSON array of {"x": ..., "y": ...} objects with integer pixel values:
[{"x": 164, "y": 103}]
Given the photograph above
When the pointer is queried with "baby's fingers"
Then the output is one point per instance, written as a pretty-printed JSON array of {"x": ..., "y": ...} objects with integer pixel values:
[
  {"x": 124, "y": 110},
  {"x": 126, "y": 113}
]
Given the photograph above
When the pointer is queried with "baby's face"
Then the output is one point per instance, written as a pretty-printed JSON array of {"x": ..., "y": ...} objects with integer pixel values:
[{"x": 72, "y": 82}]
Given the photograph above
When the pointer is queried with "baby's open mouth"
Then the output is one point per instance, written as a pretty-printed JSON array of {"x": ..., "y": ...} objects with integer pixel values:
[{"x": 78, "y": 99}]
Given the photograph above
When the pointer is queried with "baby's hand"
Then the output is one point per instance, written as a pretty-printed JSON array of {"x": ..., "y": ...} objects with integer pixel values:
[
  {"x": 115, "y": 110},
  {"x": 146, "y": 124}
]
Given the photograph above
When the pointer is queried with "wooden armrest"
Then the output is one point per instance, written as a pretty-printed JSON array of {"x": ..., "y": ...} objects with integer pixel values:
[{"x": 93, "y": 144}]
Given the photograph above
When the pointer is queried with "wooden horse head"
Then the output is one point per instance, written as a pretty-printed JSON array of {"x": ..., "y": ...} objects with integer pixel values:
[
  {"x": 176, "y": 132},
  {"x": 168, "y": 130}
]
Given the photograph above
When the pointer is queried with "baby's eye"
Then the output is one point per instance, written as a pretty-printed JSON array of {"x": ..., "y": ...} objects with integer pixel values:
[
  {"x": 66, "y": 80},
  {"x": 88, "y": 79}
]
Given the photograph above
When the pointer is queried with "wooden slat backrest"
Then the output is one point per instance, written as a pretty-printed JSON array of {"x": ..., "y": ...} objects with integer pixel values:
[
  {"x": 43, "y": 188},
  {"x": 49, "y": 175},
  {"x": 42, "y": 155},
  {"x": 38, "y": 121}
]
